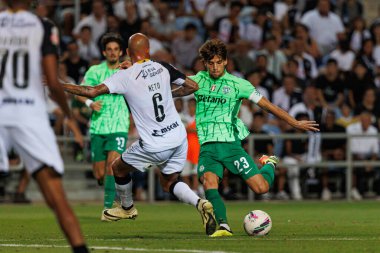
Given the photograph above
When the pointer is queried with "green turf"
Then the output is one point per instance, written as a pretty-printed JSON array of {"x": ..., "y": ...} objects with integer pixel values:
[{"x": 297, "y": 227}]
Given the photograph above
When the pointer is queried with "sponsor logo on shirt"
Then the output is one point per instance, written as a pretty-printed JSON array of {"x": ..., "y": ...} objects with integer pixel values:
[
  {"x": 211, "y": 99},
  {"x": 151, "y": 72},
  {"x": 226, "y": 89},
  {"x": 165, "y": 130}
]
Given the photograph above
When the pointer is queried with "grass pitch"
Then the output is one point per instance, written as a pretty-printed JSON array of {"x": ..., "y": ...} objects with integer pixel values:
[{"x": 175, "y": 227}]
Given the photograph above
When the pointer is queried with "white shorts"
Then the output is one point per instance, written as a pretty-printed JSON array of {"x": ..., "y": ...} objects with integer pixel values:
[
  {"x": 36, "y": 146},
  {"x": 168, "y": 161},
  {"x": 189, "y": 169}
]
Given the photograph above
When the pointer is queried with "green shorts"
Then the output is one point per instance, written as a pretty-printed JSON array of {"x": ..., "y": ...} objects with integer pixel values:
[
  {"x": 215, "y": 156},
  {"x": 101, "y": 144}
]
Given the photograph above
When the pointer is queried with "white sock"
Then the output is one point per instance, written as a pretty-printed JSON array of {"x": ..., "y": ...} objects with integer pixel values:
[
  {"x": 125, "y": 193},
  {"x": 225, "y": 225},
  {"x": 183, "y": 192}
]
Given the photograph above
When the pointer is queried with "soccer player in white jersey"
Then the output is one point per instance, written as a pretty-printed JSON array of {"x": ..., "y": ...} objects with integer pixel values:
[
  {"x": 146, "y": 86},
  {"x": 28, "y": 47}
]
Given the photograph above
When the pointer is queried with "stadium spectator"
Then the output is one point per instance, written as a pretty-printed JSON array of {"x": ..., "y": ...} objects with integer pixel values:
[
  {"x": 241, "y": 58},
  {"x": 145, "y": 9},
  {"x": 76, "y": 66},
  {"x": 261, "y": 147},
  {"x": 358, "y": 80},
  {"x": 369, "y": 103},
  {"x": 287, "y": 12},
  {"x": 358, "y": 34},
  {"x": 343, "y": 55},
  {"x": 268, "y": 80},
  {"x": 346, "y": 116},
  {"x": 255, "y": 79},
  {"x": 332, "y": 150},
  {"x": 295, "y": 152},
  {"x": 215, "y": 10},
  {"x": 230, "y": 28},
  {"x": 310, "y": 45},
  {"x": 291, "y": 68},
  {"x": 275, "y": 57},
  {"x": 309, "y": 105},
  {"x": 96, "y": 20},
  {"x": 307, "y": 67},
  {"x": 288, "y": 94},
  {"x": 350, "y": 10},
  {"x": 155, "y": 44},
  {"x": 318, "y": 20},
  {"x": 375, "y": 32},
  {"x": 330, "y": 86},
  {"x": 88, "y": 50},
  {"x": 185, "y": 48},
  {"x": 132, "y": 23},
  {"x": 363, "y": 148},
  {"x": 365, "y": 56},
  {"x": 164, "y": 28}
]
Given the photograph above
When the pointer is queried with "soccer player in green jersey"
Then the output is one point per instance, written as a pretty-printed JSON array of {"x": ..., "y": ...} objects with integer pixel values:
[
  {"x": 220, "y": 131},
  {"x": 109, "y": 119}
]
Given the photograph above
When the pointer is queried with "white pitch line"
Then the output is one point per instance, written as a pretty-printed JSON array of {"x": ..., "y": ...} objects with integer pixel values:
[{"x": 111, "y": 248}]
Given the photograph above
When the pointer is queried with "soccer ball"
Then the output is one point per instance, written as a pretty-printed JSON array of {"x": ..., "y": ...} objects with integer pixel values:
[{"x": 257, "y": 223}]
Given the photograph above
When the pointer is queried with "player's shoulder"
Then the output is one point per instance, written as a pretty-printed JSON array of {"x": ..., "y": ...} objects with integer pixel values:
[
  {"x": 235, "y": 79},
  {"x": 200, "y": 74},
  {"x": 98, "y": 67}
]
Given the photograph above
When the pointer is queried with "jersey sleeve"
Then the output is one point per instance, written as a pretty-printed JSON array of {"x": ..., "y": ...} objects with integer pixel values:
[
  {"x": 50, "y": 41},
  {"x": 176, "y": 76},
  {"x": 117, "y": 83},
  {"x": 90, "y": 78},
  {"x": 247, "y": 90}
]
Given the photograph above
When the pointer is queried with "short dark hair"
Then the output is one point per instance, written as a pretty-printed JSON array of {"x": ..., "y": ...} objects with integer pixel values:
[
  {"x": 301, "y": 115},
  {"x": 190, "y": 26},
  {"x": 332, "y": 61},
  {"x": 111, "y": 37},
  {"x": 212, "y": 48},
  {"x": 86, "y": 27}
]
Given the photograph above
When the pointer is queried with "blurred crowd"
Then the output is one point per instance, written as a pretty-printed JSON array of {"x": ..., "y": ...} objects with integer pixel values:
[{"x": 316, "y": 59}]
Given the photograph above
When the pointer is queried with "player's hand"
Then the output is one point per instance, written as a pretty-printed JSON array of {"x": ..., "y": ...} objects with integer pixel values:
[
  {"x": 125, "y": 64},
  {"x": 307, "y": 125},
  {"x": 96, "y": 106}
]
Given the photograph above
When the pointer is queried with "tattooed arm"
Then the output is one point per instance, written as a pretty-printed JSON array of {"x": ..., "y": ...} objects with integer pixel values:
[
  {"x": 187, "y": 88},
  {"x": 86, "y": 91}
]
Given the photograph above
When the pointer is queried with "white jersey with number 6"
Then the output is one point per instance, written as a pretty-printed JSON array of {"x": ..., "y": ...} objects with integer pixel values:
[{"x": 146, "y": 88}]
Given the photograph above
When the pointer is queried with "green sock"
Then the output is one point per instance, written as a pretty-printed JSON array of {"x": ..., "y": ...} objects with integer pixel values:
[
  {"x": 217, "y": 202},
  {"x": 109, "y": 191},
  {"x": 267, "y": 171}
]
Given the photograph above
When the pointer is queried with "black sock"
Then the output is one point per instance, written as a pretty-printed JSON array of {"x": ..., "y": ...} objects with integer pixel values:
[
  {"x": 80, "y": 249},
  {"x": 127, "y": 208},
  {"x": 123, "y": 180}
]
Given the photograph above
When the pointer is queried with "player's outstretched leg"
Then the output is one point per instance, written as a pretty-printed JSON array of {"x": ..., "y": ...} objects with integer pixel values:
[
  {"x": 210, "y": 182},
  {"x": 51, "y": 187},
  {"x": 123, "y": 185},
  {"x": 183, "y": 192}
]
